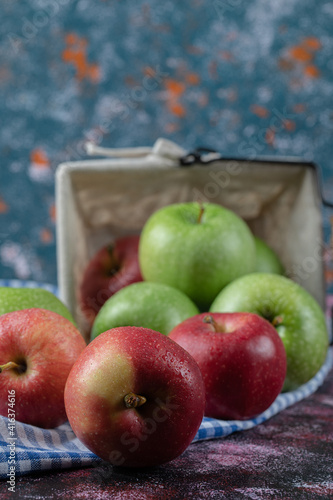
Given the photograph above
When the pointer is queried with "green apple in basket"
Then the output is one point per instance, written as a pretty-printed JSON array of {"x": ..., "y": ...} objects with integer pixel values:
[
  {"x": 149, "y": 305},
  {"x": 15, "y": 299},
  {"x": 267, "y": 261},
  {"x": 197, "y": 248},
  {"x": 297, "y": 317}
]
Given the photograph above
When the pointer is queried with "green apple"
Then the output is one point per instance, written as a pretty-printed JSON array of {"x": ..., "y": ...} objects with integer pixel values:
[
  {"x": 15, "y": 299},
  {"x": 296, "y": 315},
  {"x": 197, "y": 248},
  {"x": 266, "y": 259},
  {"x": 150, "y": 305}
]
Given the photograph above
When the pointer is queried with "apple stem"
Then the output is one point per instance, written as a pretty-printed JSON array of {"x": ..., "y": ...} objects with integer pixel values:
[
  {"x": 277, "y": 320},
  {"x": 209, "y": 319},
  {"x": 110, "y": 248},
  {"x": 112, "y": 267},
  {"x": 9, "y": 366},
  {"x": 132, "y": 400},
  {"x": 201, "y": 212}
]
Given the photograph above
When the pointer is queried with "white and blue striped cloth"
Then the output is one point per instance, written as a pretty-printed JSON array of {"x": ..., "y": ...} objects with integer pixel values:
[{"x": 32, "y": 449}]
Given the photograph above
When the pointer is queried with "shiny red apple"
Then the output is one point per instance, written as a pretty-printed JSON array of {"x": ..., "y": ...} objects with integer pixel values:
[
  {"x": 242, "y": 360},
  {"x": 37, "y": 351},
  {"x": 135, "y": 397},
  {"x": 113, "y": 267}
]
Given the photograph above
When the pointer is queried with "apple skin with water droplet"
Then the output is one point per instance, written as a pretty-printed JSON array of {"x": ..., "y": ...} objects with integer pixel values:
[
  {"x": 44, "y": 346},
  {"x": 135, "y": 397},
  {"x": 296, "y": 315},
  {"x": 242, "y": 360}
]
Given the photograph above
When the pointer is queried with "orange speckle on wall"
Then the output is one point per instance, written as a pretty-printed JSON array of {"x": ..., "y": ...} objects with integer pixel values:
[
  {"x": 149, "y": 71},
  {"x": 71, "y": 39},
  {"x": 175, "y": 88},
  {"x": 260, "y": 111},
  {"x": 3, "y": 206},
  {"x": 232, "y": 35},
  {"x": 130, "y": 81},
  {"x": 203, "y": 99},
  {"x": 177, "y": 109},
  {"x": 94, "y": 73},
  {"x": 170, "y": 128},
  {"x": 46, "y": 236},
  {"x": 299, "y": 108},
  {"x": 39, "y": 159},
  {"x": 5, "y": 74},
  {"x": 52, "y": 213},
  {"x": 311, "y": 71},
  {"x": 289, "y": 125},
  {"x": 285, "y": 64},
  {"x": 232, "y": 95},
  {"x": 175, "y": 91},
  {"x": 296, "y": 83},
  {"x": 226, "y": 55},
  {"x": 75, "y": 53},
  {"x": 300, "y": 54},
  {"x": 194, "y": 49},
  {"x": 193, "y": 78},
  {"x": 270, "y": 136},
  {"x": 312, "y": 43},
  {"x": 329, "y": 275},
  {"x": 212, "y": 68}
]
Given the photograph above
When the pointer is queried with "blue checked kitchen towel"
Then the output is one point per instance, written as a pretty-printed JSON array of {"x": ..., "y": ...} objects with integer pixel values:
[{"x": 25, "y": 448}]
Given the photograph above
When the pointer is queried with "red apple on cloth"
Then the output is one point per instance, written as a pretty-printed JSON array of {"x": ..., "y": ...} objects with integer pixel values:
[
  {"x": 135, "y": 397},
  {"x": 113, "y": 267},
  {"x": 242, "y": 360},
  {"x": 37, "y": 351}
]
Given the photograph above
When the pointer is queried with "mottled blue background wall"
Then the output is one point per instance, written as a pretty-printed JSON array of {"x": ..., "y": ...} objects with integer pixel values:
[{"x": 245, "y": 78}]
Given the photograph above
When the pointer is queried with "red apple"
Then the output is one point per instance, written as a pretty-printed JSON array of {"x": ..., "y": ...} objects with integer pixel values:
[
  {"x": 242, "y": 360},
  {"x": 135, "y": 397},
  {"x": 113, "y": 267},
  {"x": 37, "y": 351}
]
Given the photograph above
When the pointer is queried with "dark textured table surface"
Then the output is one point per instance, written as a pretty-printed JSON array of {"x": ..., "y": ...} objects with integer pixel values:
[{"x": 288, "y": 457}]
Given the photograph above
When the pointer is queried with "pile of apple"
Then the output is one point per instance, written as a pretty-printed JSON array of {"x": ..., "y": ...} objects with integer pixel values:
[{"x": 192, "y": 318}]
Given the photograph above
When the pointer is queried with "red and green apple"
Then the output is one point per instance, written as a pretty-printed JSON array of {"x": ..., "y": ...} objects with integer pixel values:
[
  {"x": 135, "y": 397},
  {"x": 37, "y": 351}
]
